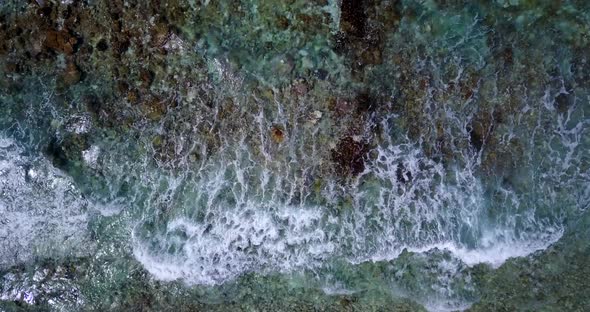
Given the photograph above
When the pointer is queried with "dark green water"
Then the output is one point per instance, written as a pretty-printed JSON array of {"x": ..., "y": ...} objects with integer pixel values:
[{"x": 294, "y": 155}]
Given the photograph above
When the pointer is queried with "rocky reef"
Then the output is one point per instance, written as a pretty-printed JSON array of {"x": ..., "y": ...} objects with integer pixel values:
[{"x": 294, "y": 155}]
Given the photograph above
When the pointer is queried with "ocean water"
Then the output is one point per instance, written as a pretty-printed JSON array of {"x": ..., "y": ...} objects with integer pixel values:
[{"x": 280, "y": 156}]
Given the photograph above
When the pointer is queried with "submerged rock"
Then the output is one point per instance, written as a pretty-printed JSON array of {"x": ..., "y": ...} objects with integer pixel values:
[
  {"x": 349, "y": 156},
  {"x": 353, "y": 18},
  {"x": 71, "y": 74},
  {"x": 61, "y": 41},
  {"x": 277, "y": 134}
]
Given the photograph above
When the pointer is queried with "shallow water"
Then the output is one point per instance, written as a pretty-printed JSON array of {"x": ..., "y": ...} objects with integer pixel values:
[{"x": 332, "y": 155}]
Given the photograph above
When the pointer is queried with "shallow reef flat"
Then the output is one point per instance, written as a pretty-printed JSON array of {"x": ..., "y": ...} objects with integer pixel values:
[{"x": 318, "y": 155}]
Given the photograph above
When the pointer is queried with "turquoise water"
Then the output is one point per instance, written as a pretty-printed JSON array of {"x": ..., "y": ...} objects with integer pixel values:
[{"x": 279, "y": 156}]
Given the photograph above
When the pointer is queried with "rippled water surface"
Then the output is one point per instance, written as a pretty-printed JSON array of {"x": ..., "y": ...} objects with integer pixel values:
[{"x": 294, "y": 155}]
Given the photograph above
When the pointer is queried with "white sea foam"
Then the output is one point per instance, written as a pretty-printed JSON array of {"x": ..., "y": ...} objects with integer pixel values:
[
  {"x": 497, "y": 252},
  {"x": 236, "y": 242},
  {"x": 40, "y": 209},
  {"x": 239, "y": 233},
  {"x": 79, "y": 124},
  {"x": 90, "y": 155}
]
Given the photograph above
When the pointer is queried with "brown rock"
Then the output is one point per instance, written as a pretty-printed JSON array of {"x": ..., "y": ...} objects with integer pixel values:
[
  {"x": 160, "y": 34},
  {"x": 300, "y": 87},
  {"x": 372, "y": 56},
  {"x": 12, "y": 67},
  {"x": 60, "y": 41},
  {"x": 132, "y": 96},
  {"x": 154, "y": 109},
  {"x": 277, "y": 134},
  {"x": 340, "y": 106},
  {"x": 146, "y": 77},
  {"x": 71, "y": 75},
  {"x": 349, "y": 156},
  {"x": 122, "y": 86},
  {"x": 282, "y": 22},
  {"x": 120, "y": 44}
]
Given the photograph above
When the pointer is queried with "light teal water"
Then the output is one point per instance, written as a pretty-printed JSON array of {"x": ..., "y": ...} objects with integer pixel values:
[{"x": 248, "y": 155}]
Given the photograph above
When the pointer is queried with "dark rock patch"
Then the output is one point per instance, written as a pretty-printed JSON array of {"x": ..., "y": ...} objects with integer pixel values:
[
  {"x": 102, "y": 45},
  {"x": 353, "y": 17},
  {"x": 349, "y": 156}
]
